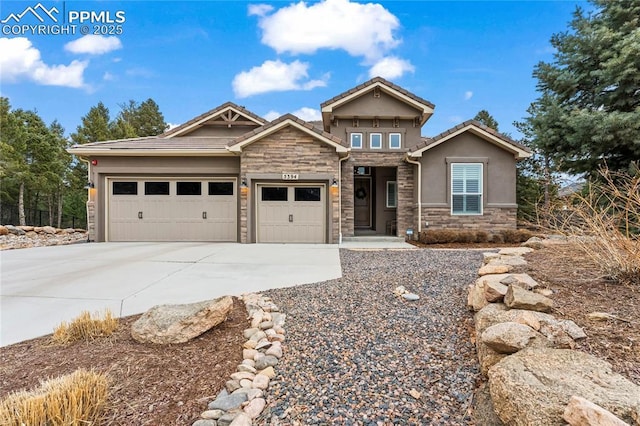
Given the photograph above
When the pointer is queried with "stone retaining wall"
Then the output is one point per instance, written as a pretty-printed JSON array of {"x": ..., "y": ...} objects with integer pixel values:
[
  {"x": 16, "y": 237},
  {"x": 534, "y": 375}
]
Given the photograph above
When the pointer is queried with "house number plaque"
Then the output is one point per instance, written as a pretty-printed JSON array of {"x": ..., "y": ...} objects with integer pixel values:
[{"x": 290, "y": 176}]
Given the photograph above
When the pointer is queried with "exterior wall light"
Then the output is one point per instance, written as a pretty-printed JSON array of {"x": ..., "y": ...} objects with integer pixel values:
[
  {"x": 89, "y": 185},
  {"x": 334, "y": 187},
  {"x": 243, "y": 186}
]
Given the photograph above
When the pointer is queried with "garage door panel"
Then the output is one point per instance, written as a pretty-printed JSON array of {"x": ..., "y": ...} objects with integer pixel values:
[
  {"x": 299, "y": 219},
  {"x": 174, "y": 217}
]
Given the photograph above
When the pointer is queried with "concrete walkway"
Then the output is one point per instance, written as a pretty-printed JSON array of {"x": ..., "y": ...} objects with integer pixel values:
[{"x": 41, "y": 287}]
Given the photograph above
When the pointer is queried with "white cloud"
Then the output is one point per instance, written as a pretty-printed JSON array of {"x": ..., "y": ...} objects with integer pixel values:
[
  {"x": 391, "y": 67},
  {"x": 94, "y": 44},
  {"x": 308, "y": 114},
  {"x": 360, "y": 29},
  {"x": 275, "y": 76},
  {"x": 455, "y": 119},
  {"x": 107, "y": 76},
  {"x": 20, "y": 59},
  {"x": 259, "y": 9},
  {"x": 271, "y": 115},
  {"x": 304, "y": 113},
  {"x": 468, "y": 95}
]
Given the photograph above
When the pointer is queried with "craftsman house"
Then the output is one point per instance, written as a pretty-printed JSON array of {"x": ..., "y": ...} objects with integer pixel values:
[{"x": 229, "y": 175}]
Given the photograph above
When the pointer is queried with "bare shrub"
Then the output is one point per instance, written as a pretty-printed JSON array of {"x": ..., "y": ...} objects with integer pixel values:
[
  {"x": 482, "y": 236},
  {"x": 85, "y": 327},
  {"x": 71, "y": 400},
  {"x": 604, "y": 221}
]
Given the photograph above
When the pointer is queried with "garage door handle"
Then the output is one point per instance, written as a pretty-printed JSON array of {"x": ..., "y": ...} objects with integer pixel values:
[
  {"x": 139, "y": 215},
  {"x": 204, "y": 215},
  {"x": 290, "y": 218}
]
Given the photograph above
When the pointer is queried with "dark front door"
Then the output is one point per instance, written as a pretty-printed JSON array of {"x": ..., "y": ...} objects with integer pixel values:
[{"x": 362, "y": 202}]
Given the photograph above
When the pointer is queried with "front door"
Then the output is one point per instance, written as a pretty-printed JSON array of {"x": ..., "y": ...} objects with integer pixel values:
[{"x": 362, "y": 202}]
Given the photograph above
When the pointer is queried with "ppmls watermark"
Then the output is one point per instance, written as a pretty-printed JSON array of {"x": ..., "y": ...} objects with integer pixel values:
[{"x": 40, "y": 20}]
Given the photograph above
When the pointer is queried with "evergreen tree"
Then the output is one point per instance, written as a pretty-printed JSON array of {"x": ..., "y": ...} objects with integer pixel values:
[
  {"x": 94, "y": 127},
  {"x": 487, "y": 119},
  {"x": 144, "y": 119},
  {"x": 589, "y": 109}
]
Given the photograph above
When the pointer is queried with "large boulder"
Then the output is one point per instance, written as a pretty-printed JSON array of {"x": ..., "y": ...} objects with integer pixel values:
[
  {"x": 519, "y": 298},
  {"x": 166, "y": 324},
  {"x": 14, "y": 230},
  {"x": 534, "y": 386}
]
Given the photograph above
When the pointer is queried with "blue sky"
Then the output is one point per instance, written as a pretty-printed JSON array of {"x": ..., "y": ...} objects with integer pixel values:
[{"x": 278, "y": 57}]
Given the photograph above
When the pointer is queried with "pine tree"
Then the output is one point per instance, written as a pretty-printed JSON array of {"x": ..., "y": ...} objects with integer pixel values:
[{"x": 487, "y": 119}]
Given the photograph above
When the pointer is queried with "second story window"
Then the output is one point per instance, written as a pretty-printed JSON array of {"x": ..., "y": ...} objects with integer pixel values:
[
  {"x": 356, "y": 140},
  {"x": 395, "y": 141},
  {"x": 375, "y": 140}
]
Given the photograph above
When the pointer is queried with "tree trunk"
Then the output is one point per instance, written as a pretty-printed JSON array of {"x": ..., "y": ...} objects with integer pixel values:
[
  {"x": 60, "y": 209},
  {"x": 50, "y": 205},
  {"x": 547, "y": 183},
  {"x": 23, "y": 222}
]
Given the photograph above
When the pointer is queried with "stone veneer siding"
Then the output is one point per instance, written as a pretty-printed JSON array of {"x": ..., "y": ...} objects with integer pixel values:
[
  {"x": 492, "y": 219},
  {"x": 405, "y": 211},
  {"x": 288, "y": 150},
  {"x": 91, "y": 220}
]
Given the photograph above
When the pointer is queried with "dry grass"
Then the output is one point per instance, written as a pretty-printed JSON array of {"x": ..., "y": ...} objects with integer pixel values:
[
  {"x": 468, "y": 236},
  {"x": 605, "y": 223},
  {"x": 85, "y": 327},
  {"x": 75, "y": 399}
]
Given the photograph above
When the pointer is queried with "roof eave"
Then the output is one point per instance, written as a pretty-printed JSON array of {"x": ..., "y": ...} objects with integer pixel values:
[{"x": 123, "y": 152}]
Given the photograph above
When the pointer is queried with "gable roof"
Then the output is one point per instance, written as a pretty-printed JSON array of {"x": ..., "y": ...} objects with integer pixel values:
[
  {"x": 487, "y": 133},
  {"x": 394, "y": 90},
  {"x": 282, "y": 122},
  {"x": 214, "y": 113}
]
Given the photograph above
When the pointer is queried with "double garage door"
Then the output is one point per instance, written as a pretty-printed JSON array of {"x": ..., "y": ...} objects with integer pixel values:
[
  {"x": 181, "y": 209},
  {"x": 291, "y": 213}
]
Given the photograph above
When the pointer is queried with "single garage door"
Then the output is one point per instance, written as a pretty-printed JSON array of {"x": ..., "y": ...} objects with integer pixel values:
[
  {"x": 185, "y": 209},
  {"x": 291, "y": 214}
]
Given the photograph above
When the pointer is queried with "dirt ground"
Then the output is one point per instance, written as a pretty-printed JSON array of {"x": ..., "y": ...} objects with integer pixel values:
[
  {"x": 171, "y": 385},
  {"x": 150, "y": 384}
]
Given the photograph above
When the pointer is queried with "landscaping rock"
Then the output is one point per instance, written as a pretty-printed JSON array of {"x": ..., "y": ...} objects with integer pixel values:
[
  {"x": 519, "y": 298},
  {"x": 166, "y": 324},
  {"x": 255, "y": 407},
  {"x": 3, "y": 230},
  {"x": 14, "y": 230},
  {"x": 411, "y": 296},
  {"x": 489, "y": 256},
  {"x": 509, "y": 260},
  {"x": 212, "y": 414},
  {"x": 205, "y": 422},
  {"x": 476, "y": 299},
  {"x": 508, "y": 337},
  {"x": 266, "y": 361},
  {"x": 533, "y": 386},
  {"x": 49, "y": 230},
  {"x": 582, "y": 412},
  {"x": 494, "y": 291},
  {"x": 515, "y": 251},
  {"x": 241, "y": 419},
  {"x": 493, "y": 268},
  {"x": 226, "y": 402},
  {"x": 535, "y": 243},
  {"x": 521, "y": 280}
]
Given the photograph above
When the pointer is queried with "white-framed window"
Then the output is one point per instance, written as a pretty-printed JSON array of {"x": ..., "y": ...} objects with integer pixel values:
[
  {"x": 466, "y": 188},
  {"x": 356, "y": 140},
  {"x": 392, "y": 194},
  {"x": 375, "y": 140},
  {"x": 395, "y": 140}
]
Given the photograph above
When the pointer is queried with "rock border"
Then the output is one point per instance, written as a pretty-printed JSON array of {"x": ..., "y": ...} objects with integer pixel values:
[
  {"x": 243, "y": 398},
  {"x": 18, "y": 237},
  {"x": 512, "y": 317}
]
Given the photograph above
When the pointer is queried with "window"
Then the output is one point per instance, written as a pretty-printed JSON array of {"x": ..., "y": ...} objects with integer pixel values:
[
  {"x": 395, "y": 140},
  {"x": 392, "y": 194},
  {"x": 307, "y": 194},
  {"x": 156, "y": 188},
  {"x": 125, "y": 188},
  {"x": 274, "y": 193},
  {"x": 466, "y": 188},
  {"x": 356, "y": 140},
  {"x": 189, "y": 188},
  {"x": 375, "y": 140},
  {"x": 220, "y": 188}
]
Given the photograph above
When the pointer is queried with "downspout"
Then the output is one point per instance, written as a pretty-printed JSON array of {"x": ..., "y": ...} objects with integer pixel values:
[
  {"x": 340, "y": 196},
  {"x": 419, "y": 164}
]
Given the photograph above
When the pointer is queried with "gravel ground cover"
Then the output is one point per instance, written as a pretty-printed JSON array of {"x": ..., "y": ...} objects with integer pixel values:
[{"x": 355, "y": 351}]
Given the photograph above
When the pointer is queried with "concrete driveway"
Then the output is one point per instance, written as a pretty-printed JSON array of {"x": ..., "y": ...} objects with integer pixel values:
[{"x": 40, "y": 287}]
